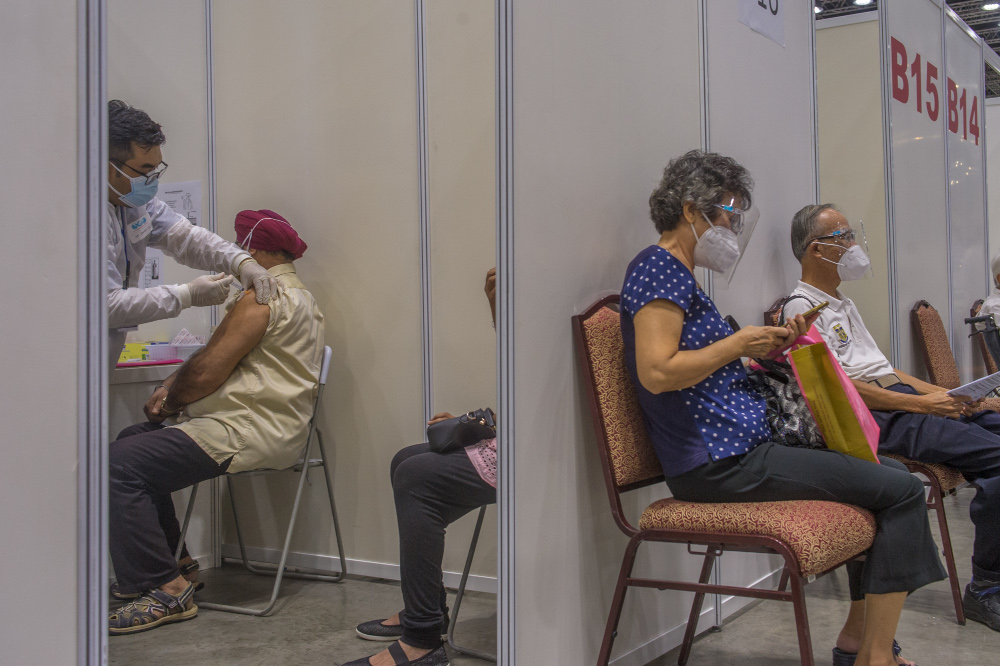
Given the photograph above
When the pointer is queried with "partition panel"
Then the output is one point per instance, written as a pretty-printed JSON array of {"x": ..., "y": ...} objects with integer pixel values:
[
  {"x": 461, "y": 128},
  {"x": 603, "y": 96},
  {"x": 918, "y": 97},
  {"x": 171, "y": 86},
  {"x": 43, "y": 398},
  {"x": 966, "y": 198},
  {"x": 992, "y": 148},
  {"x": 316, "y": 119},
  {"x": 852, "y": 156},
  {"x": 761, "y": 112}
]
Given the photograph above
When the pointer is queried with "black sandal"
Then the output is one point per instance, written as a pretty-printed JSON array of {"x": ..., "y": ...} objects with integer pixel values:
[{"x": 436, "y": 657}]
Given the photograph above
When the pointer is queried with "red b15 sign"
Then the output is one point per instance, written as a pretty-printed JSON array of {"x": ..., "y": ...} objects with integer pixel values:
[{"x": 923, "y": 76}]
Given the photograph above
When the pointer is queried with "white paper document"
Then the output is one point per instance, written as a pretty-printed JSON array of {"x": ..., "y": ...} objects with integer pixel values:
[
  {"x": 183, "y": 198},
  {"x": 152, "y": 272},
  {"x": 979, "y": 388}
]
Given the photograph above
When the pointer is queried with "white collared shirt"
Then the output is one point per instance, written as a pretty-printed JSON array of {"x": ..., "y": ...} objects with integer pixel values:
[
  {"x": 844, "y": 332},
  {"x": 991, "y": 306}
]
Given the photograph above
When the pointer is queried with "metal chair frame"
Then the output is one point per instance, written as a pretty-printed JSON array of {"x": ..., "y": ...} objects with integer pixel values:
[
  {"x": 302, "y": 467},
  {"x": 714, "y": 543},
  {"x": 461, "y": 592}
]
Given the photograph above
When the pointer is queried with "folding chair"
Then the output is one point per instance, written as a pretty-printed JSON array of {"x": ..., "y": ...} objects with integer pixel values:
[
  {"x": 813, "y": 537},
  {"x": 302, "y": 467},
  {"x": 461, "y": 592}
]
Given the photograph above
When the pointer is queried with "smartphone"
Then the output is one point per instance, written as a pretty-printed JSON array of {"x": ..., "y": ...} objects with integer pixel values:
[{"x": 816, "y": 310}]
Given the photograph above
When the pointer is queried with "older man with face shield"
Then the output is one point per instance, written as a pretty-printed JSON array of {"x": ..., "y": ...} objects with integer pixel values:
[
  {"x": 136, "y": 219},
  {"x": 918, "y": 420}
]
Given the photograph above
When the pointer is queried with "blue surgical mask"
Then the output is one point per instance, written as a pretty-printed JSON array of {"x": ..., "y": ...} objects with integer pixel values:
[{"x": 142, "y": 192}]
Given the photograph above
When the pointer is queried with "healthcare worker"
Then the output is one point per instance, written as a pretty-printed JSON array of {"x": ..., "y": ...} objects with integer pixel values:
[{"x": 136, "y": 219}]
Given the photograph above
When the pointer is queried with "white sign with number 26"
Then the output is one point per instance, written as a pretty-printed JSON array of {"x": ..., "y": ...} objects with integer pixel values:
[{"x": 765, "y": 17}]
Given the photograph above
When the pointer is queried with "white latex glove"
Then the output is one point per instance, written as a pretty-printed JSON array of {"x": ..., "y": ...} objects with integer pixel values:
[
  {"x": 210, "y": 289},
  {"x": 254, "y": 275}
]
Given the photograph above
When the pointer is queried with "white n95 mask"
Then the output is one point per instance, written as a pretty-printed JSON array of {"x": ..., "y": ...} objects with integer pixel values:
[
  {"x": 853, "y": 264},
  {"x": 718, "y": 248}
]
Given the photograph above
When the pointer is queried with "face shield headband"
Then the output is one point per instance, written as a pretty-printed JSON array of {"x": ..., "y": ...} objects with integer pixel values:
[{"x": 742, "y": 223}]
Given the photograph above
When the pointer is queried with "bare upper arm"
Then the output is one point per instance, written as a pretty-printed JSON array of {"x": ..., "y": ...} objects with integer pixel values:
[
  {"x": 241, "y": 330},
  {"x": 658, "y": 326}
]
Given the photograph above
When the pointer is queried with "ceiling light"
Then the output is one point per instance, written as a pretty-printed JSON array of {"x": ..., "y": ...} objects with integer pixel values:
[
  {"x": 991, "y": 6},
  {"x": 862, "y": 3},
  {"x": 817, "y": 9}
]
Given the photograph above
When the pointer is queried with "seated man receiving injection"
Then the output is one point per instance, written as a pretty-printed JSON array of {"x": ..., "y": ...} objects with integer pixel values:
[{"x": 241, "y": 403}]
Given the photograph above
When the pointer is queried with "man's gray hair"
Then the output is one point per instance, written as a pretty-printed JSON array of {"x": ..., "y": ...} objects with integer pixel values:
[{"x": 805, "y": 227}]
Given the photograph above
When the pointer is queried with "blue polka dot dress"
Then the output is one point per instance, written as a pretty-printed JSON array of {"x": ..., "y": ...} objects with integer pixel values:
[{"x": 714, "y": 419}]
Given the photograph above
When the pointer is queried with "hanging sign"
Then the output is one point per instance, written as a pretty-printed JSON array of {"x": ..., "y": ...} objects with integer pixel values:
[{"x": 766, "y": 17}]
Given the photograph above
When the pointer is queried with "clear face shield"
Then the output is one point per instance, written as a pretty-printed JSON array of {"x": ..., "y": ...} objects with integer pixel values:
[
  {"x": 741, "y": 223},
  {"x": 854, "y": 262}
]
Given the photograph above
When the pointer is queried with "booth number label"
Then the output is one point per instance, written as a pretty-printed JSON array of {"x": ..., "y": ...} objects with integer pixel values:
[
  {"x": 922, "y": 75},
  {"x": 770, "y": 5}
]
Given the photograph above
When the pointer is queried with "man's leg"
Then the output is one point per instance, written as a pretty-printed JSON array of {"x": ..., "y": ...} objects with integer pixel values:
[
  {"x": 431, "y": 491},
  {"x": 144, "y": 469},
  {"x": 972, "y": 446}
]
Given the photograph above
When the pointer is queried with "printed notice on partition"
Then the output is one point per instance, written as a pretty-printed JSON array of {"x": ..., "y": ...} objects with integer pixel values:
[
  {"x": 152, "y": 272},
  {"x": 766, "y": 17},
  {"x": 183, "y": 198}
]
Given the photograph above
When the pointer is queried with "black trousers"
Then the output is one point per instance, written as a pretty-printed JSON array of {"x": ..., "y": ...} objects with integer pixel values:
[
  {"x": 148, "y": 462},
  {"x": 970, "y": 444},
  {"x": 903, "y": 556},
  {"x": 431, "y": 490}
]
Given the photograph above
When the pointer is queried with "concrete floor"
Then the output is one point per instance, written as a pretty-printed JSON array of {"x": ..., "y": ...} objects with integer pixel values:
[{"x": 315, "y": 623}]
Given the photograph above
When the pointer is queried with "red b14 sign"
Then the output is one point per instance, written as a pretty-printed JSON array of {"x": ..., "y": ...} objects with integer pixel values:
[{"x": 918, "y": 80}]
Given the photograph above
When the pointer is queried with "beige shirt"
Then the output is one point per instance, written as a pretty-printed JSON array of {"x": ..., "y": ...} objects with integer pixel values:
[{"x": 260, "y": 415}]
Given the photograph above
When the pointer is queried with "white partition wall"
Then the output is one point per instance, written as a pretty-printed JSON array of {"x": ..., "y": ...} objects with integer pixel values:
[
  {"x": 992, "y": 141},
  {"x": 966, "y": 160},
  {"x": 851, "y": 152},
  {"x": 932, "y": 81},
  {"x": 44, "y": 417},
  {"x": 603, "y": 95},
  {"x": 172, "y": 88}
]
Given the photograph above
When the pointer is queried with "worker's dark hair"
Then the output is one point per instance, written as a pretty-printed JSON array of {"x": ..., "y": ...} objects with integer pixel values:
[{"x": 128, "y": 125}]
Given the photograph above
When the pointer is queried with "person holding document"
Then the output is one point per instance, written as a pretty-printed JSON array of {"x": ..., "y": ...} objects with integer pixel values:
[{"x": 918, "y": 420}]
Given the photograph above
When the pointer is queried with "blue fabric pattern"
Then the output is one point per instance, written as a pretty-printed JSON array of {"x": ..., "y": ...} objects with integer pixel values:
[{"x": 719, "y": 417}]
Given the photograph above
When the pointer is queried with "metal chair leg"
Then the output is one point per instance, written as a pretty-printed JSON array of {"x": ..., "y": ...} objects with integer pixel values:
[
  {"x": 801, "y": 620},
  {"x": 937, "y": 503},
  {"x": 615, "y": 614},
  {"x": 333, "y": 510},
  {"x": 187, "y": 521},
  {"x": 461, "y": 592},
  {"x": 699, "y": 600},
  {"x": 279, "y": 571}
]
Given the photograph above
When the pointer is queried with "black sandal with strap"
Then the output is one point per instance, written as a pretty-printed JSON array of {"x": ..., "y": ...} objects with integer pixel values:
[{"x": 436, "y": 657}]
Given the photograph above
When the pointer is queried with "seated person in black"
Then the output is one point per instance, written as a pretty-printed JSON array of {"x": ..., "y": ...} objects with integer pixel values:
[
  {"x": 431, "y": 490},
  {"x": 709, "y": 428}
]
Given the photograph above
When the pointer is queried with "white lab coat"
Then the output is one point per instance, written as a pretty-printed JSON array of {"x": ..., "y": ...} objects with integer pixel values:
[{"x": 129, "y": 232}]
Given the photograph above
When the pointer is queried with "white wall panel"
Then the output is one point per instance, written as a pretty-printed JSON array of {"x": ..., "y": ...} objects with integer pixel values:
[
  {"x": 39, "y": 397},
  {"x": 851, "y": 154},
  {"x": 461, "y": 126},
  {"x": 918, "y": 113},
  {"x": 316, "y": 119},
  {"x": 967, "y": 200},
  {"x": 992, "y": 113},
  {"x": 170, "y": 85},
  {"x": 604, "y": 95}
]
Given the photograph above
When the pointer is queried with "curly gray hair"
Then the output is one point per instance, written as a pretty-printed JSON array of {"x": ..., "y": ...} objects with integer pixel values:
[
  {"x": 701, "y": 178},
  {"x": 805, "y": 227}
]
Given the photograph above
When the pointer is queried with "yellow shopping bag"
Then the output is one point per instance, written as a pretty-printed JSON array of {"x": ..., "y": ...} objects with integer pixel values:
[{"x": 840, "y": 413}]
